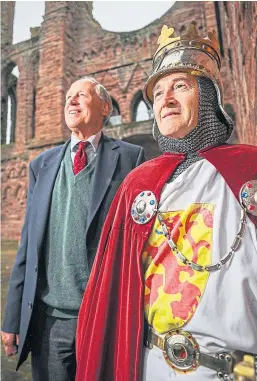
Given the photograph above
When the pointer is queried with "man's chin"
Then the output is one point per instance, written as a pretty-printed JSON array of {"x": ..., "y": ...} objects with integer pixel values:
[
  {"x": 176, "y": 133},
  {"x": 171, "y": 133},
  {"x": 74, "y": 128}
]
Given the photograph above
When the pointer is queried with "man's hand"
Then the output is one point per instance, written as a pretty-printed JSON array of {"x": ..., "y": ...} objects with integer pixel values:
[{"x": 11, "y": 342}]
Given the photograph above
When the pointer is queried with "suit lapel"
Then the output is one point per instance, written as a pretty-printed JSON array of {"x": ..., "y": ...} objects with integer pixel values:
[
  {"x": 45, "y": 183},
  {"x": 106, "y": 163}
]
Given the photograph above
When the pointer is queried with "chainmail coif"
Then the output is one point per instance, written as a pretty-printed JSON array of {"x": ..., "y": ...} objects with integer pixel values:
[{"x": 211, "y": 129}]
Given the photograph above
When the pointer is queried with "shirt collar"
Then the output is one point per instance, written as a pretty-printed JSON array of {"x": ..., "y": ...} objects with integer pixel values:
[{"x": 93, "y": 140}]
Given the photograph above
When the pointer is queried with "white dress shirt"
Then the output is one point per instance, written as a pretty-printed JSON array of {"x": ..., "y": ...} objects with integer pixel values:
[{"x": 90, "y": 149}]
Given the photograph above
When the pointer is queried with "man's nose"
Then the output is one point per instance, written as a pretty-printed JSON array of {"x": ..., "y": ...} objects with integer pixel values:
[
  {"x": 169, "y": 97},
  {"x": 73, "y": 100}
]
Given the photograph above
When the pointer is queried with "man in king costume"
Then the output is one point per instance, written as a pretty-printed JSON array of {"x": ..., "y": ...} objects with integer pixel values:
[{"x": 173, "y": 291}]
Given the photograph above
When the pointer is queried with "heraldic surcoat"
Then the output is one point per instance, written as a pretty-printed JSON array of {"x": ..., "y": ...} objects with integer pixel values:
[{"x": 137, "y": 277}]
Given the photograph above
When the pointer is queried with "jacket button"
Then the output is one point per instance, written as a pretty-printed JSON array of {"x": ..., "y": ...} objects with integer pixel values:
[
  {"x": 30, "y": 305},
  {"x": 36, "y": 268}
]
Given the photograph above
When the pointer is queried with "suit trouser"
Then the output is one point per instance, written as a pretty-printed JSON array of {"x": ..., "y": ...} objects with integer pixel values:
[{"x": 53, "y": 350}]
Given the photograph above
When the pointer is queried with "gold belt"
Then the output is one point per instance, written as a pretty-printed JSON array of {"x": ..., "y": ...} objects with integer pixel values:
[{"x": 181, "y": 351}]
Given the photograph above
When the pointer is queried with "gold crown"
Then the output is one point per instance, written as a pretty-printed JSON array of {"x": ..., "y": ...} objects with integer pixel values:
[{"x": 191, "y": 39}]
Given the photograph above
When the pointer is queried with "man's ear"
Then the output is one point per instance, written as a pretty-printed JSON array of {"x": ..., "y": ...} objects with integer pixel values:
[{"x": 105, "y": 109}]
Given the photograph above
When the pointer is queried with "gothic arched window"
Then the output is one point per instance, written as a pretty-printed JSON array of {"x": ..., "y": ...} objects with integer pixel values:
[
  {"x": 33, "y": 114},
  {"x": 141, "y": 111},
  {"x": 9, "y": 106},
  {"x": 115, "y": 118}
]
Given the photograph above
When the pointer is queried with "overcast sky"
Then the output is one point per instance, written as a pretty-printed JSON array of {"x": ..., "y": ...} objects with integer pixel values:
[{"x": 116, "y": 16}]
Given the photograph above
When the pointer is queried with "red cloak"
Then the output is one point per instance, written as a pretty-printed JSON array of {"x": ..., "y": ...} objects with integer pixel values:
[{"x": 111, "y": 319}]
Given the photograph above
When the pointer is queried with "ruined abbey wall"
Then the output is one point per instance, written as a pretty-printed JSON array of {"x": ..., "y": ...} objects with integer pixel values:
[{"x": 70, "y": 44}]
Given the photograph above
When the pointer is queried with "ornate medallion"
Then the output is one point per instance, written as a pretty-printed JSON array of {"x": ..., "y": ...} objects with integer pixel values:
[
  {"x": 248, "y": 197},
  {"x": 144, "y": 207},
  {"x": 181, "y": 351}
]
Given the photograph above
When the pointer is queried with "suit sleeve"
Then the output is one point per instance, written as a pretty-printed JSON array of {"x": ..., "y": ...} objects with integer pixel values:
[
  {"x": 12, "y": 313},
  {"x": 141, "y": 157}
]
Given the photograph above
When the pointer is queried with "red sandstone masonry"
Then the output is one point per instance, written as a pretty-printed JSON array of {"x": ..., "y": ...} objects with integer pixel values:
[
  {"x": 240, "y": 31},
  {"x": 72, "y": 44}
]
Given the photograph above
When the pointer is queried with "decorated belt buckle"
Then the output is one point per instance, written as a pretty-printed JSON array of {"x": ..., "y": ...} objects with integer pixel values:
[
  {"x": 181, "y": 351},
  {"x": 248, "y": 197},
  {"x": 144, "y": 207}
]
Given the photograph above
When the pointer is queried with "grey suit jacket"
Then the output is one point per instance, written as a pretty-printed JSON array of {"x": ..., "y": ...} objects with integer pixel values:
[{"x": 115, "y": 159}]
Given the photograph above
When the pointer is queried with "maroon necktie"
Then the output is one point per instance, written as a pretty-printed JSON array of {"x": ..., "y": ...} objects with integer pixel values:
[{"x": 80, "y": 159}]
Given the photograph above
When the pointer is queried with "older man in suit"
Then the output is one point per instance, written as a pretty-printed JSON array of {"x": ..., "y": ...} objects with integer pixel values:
[{"x": 71, "y": 188}]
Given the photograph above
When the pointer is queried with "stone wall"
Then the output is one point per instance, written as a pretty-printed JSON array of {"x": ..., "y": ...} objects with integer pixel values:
[
  {"x": 239, "y": 31},
  {"x": 70, "y": 44}
]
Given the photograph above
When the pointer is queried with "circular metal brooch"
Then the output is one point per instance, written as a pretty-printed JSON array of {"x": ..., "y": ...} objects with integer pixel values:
[
  {"x": 144, "y": 207},
  {"x": 181, "y": 351},
  {"x": 248, "y": 197}
]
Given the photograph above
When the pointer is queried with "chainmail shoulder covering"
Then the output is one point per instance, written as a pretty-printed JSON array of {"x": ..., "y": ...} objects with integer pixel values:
[{"x": 212, "y": 129}]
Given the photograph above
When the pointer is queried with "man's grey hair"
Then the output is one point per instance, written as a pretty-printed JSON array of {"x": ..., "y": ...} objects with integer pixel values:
[{"x": 102, "y": 93}]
